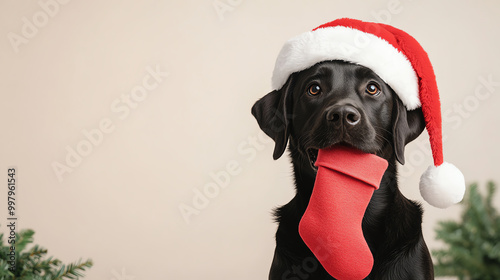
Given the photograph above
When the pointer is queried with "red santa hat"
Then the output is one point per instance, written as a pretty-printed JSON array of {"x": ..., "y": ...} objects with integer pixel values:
[{"x": 402, "y": 63}]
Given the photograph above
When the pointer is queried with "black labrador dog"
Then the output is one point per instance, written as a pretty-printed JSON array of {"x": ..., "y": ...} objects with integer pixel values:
[{"x": 331, "y": 103}]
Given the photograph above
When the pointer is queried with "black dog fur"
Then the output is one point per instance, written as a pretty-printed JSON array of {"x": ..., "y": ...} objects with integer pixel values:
[{"x": 336, "y": 102}]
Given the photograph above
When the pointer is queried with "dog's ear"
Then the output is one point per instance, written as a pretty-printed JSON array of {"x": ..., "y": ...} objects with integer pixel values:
[
  {"x": 273, "y": 113},
  {"x": 407, "y": 126}
]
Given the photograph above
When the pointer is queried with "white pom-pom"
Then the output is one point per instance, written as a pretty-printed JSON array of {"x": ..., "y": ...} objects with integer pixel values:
[{"x": 442, "y": 186}]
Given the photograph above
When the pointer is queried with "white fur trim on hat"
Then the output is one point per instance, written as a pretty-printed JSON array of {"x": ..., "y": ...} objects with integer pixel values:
[
  {"x": 351, "y": 45},
  {"x": 442, "y": 186}
]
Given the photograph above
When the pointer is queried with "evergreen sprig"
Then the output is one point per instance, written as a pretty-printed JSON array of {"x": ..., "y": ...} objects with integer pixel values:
[
  {"x": 32, "y": 265},
  {"x": 473, "y": 250}
]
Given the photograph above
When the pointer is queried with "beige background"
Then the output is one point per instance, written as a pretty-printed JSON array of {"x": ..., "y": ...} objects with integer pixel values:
[{"x": 120, "y": 204}]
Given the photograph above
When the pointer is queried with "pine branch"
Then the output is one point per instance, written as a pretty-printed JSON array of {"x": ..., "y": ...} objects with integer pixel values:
[
  {"x": 37, "y": 251},
  {"x": 30, "y": 264},
  {"x": 72, "y": 271},
  {"x": 4, "y": 270},
  {"x": 473, "y": 250},
  {"x": 44, "y": 267},
  {"x": 489, "y": 199},
  {"x": 24, "y": 238}
]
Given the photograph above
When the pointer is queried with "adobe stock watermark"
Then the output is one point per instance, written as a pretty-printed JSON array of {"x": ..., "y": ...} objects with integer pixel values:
[
  {"x": 221, "y": 179},
  {"x": 308, "y": 266},
  {"x": 121, "y": 108},
  {"x": 362, "y": 39},
  {"x": 122, "y": 275},
  {"x": 384, "y": 16},
  {"x": 222, "y": 7},
  {"x": 31, "y": 26},
  {"x": 455, "y": 117},
  {"x": 482, "y": 92}
]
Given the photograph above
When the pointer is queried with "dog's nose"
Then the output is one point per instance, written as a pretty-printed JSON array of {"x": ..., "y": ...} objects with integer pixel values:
[{"x": 346, "y": 113}]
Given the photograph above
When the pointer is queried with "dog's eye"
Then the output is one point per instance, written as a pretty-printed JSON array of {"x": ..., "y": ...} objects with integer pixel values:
[
  {"x": 372, "y": 89},
  {"x": 314, "y": 89}
]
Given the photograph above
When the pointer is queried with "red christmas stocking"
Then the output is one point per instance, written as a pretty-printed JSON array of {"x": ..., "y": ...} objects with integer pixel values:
[{"x": 331, "y": 225}]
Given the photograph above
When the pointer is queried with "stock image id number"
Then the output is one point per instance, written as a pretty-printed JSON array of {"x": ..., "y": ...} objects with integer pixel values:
[{"x": 11, "y": 200}]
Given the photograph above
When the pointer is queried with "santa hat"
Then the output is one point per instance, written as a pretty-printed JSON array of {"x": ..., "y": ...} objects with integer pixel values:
[{"x": 402, "y": 63}]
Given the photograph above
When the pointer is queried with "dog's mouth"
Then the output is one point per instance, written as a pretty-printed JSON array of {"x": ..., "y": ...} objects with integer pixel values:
[{"x": 312, "y": 154}]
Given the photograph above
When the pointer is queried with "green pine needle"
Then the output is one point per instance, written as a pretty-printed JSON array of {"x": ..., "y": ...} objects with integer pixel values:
[
  {"x": 473, "y": 250},
  {"x": 24, "y": 238},
  {"x": 32, "y": 265},
  {"x": 72, "y": 271}
]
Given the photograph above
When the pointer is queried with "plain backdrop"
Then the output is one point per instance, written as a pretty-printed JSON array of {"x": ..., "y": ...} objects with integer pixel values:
[{"x": 118, "y": 114}]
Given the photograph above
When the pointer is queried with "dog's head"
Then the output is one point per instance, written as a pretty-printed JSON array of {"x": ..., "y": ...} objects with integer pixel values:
[{"x": 337, "y": 102}]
